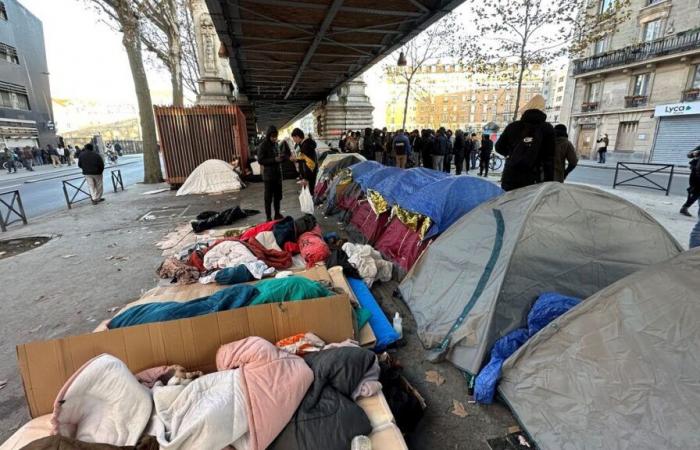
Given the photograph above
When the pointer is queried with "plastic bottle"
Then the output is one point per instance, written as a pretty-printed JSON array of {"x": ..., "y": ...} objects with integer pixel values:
[
  {"x": 361, "y": 443},
  {"x": 398, "y": 327}
]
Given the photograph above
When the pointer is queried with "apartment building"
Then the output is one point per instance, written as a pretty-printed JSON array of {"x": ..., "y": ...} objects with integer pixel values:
[
  {"x": 26, "y": 116},
  {"x": 640, "y": 85},
  {"x": 553, "y": 92}
]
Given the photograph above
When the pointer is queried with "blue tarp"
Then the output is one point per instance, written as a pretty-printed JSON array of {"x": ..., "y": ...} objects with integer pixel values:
[
  {"x": 393, "y": 188},
  {"x": 547, "y": 307},
  {"x": 445, "y": 201},
  {"x": 380, "y": 175},
  {"x": 361, "y": 171}
]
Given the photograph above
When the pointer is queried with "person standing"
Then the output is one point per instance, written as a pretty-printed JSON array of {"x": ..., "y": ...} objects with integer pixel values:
[
  {"x": 401, "y": 148},
  {"x": 377, "y": 147},
  {"x": 270, "y": 158},
  {"x": 428, "y": 142},
  {"x": 447, "y": 162},
  {"x": 36, "y": 157},
  {"x": 118, "y": 149},
  {"x": 307, "y": 158},
  {"x": 603, "y": 149},
  {"x": 565, "y": 159},
  {"x": 70, "y": 155},
  {"x": 9, "y": 158},
  {"x": 55, "y": 160},
  {"x": 439, "y": 149},
  {"x": 93, "y": 166},
  {"x": 368, "y": 144},
  {"x": 416, "y": 147},
  {"x": 528, "y": 146},
  {"x": 28, "y": 158},
  {"x": 459, "y": 149},
  {"x": 476, "y": 145},
  {"x": 693, "y": 181},
  {"x": 485, "y": 150},
  {"x": 61, "y": 154}
]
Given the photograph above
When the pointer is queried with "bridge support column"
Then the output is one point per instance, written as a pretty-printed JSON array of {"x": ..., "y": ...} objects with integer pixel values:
[
  {"x": 215, "y": 86},
  {"x": 348, "y": 109}
]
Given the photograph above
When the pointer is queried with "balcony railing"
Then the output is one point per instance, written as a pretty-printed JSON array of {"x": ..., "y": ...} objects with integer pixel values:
[
  {"x": 691, "y": 95},
  {"x": 677, "y": 43},
  {"x": 635, "y": 100},
  {"x": 589, "y": 107}
]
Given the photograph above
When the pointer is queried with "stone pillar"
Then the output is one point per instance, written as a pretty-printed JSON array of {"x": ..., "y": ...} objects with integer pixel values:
[
  {"x": 348, "y": 109},
  {"x": 215, "y": 86}
]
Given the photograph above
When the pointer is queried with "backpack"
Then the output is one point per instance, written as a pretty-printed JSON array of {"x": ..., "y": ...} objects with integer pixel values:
[
  {"x": 523, "y": 160},
  {"x": 399, "y": 147}
]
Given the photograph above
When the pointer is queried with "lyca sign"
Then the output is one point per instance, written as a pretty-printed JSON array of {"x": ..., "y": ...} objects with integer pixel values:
[{"x": 677, "y": 109}]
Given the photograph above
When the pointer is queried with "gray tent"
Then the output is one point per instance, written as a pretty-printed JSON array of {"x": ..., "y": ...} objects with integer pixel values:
[
  {"x": 619, "y": 371},
  {"x": 477, "y": 281}
]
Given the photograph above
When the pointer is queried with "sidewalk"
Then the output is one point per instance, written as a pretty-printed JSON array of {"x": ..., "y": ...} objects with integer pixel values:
[{"x": 612, "y": 165}]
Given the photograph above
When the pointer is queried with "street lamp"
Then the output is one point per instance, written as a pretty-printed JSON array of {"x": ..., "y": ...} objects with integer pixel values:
[{"x": 402, "y": 60}]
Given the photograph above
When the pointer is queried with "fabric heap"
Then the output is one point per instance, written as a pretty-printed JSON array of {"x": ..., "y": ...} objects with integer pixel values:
[
  {"x": 257, "y": 229},
  {"x": 304, "y": 224},
  {"x": 312, "y": 247},
  {"x": 177, "y": 271},
  {"x": 278, "y": 259},
  {"x": 211, "y": 219},
  {"x": 67, "y": 443},
  {"x": 369, "y": 263},
  {"x": 289, "y": 289},
  {"x": 227, "y": 254},
  {"x": 284, "y": 231}
]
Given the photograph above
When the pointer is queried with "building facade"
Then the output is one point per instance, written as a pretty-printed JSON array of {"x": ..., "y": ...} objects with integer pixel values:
[
  {"x": 640, "y": 85},
  {"x": 453, "y": 96},
  {"x": 26, "y": 116},
  {"x": 553, "y": 91}
]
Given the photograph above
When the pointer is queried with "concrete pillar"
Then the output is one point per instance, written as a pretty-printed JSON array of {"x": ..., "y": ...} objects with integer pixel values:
[{"x": 348, "y": 109}]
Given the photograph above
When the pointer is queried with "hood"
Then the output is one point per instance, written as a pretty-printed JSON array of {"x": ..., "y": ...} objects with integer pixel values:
[{"x": 534, "y": 116}]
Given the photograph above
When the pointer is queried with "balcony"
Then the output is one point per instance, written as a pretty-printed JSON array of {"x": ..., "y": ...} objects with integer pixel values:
[
  {"x": 589, "y": 107},
  {"x": 677, "y": 43},
  {"x": 691, "y": 95},
  {"x": 634, "y": 101}
]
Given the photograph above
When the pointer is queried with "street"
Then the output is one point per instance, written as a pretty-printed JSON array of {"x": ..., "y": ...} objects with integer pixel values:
[
  {"x": 42, "y": 190},
  {"x": 604, "y": 177}
]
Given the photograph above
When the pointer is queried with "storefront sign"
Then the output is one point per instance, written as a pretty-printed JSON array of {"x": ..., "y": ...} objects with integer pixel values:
[{"x": 677, "y": 109}]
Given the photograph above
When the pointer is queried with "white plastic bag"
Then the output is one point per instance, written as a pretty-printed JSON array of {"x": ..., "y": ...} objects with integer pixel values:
[{"x": 306, "y": 202}]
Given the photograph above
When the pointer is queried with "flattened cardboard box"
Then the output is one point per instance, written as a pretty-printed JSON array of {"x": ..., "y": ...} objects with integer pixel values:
[{"x": 46, "y": 366}]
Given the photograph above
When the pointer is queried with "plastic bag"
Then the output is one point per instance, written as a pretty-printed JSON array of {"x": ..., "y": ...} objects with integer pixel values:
[{"x": 306, "y": 201}]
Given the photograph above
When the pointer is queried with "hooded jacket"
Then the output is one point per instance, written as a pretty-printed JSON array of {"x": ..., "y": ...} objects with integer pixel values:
[
  {"x": 528, "y": 146},
  {"x": 267, "y": 154},
  {"x": 565, "y": 158}
]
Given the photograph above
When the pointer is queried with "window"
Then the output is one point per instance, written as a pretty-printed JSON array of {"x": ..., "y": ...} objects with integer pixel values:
[
  {"x": 8, "y": 53},
  {"x": 593, "y": 92},
  {"x": 14, "y": 100},
  {"x": 560, "y": 88},
  {"x": 3, "y": 11},
  {"x": 601, "y": 45},
  {"x": 559, "y": 98},
  {"x": 695, "y": 82},
  {"x": 606, "y": 5},
  {"x": 641, "y": 85},
  {"x": 652, "y": 30}
]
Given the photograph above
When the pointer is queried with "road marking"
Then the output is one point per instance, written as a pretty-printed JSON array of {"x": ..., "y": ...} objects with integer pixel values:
[{"x": 10, "y": 187}]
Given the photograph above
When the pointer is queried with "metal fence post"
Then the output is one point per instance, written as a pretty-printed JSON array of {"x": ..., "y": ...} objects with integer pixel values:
[{"x": 5, "y": 218}]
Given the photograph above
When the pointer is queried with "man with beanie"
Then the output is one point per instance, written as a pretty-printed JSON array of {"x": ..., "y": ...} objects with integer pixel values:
[{"x": 565, "y": 158}]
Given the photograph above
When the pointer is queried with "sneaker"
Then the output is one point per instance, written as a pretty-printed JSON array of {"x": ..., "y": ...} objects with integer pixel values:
[
  {"x": 101, "y": 200},
  {"x": 685, "y": 212},
  {"x": 279, "y": 217}
]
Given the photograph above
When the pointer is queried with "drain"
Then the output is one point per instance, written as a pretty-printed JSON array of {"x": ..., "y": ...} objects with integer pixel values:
[{"x": 13, "y": 247}]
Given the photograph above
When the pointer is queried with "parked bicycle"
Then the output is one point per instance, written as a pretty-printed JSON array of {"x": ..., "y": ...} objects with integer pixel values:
[{"x": 495, "y": 163}]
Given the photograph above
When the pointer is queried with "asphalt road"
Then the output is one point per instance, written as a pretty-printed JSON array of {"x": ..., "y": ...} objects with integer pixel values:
[
  {"x": 605, "y": 176},
  {"x": 42, "y": 190}
]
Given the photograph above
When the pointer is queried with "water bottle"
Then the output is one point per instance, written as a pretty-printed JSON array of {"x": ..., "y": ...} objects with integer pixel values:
[
  {"x": 361, "y": 443},
  {"x": 398, "y": 327}
]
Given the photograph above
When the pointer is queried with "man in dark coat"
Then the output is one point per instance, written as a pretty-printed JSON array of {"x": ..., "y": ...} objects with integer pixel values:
[
  {"x": 459, "y": 148},
  {"x": 93, "y": 166},
  {"x": 269, "y": 158},
  {"x": 528, "y": 146},
  {"x": 693, "y": 181},
  {"x": 440, "y": 149},
  {"x": 485, "y": 151},
  {"x": 428, "y": 142},
  {"x": 308, "y": 160},
  {"x": 565, "y": 159}
]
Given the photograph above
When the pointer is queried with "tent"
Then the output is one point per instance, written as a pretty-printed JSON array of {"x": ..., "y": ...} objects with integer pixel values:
[
  {"x": 620, "y": 370},
  {"x": 477, "y": 281},
  {"x": 211, "y": 177}
]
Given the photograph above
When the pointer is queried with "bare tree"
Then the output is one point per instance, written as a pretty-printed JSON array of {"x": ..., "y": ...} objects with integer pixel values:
[
  {"x": 439, "y": 42},
  {"x": 525, "y": 33},
  {"x": 124, "y": 15}
]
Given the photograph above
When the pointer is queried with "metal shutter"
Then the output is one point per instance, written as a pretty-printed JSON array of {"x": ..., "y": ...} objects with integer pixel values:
[{"x": 675, "y": 138}]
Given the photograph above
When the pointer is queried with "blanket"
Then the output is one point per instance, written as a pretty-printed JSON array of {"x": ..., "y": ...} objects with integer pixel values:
[
  {"x": 274, "y": 258},
  {"x": 211, "y": 219},
  {"x": 313, "y": 248},
  {"x": 275, "y": 383},
  {"x": 227, "y": 254},
  {"x": 66, "y": 443},
  {"x": 223, "y": 300},
  {"x": 368, "y": 262},
  {"x": 288, "y": 289}
]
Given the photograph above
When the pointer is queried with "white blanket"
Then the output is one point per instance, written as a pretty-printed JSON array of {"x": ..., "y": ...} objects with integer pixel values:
[
  {"x": 228, "y": 254},
  {"x": 368, "y": 262}
]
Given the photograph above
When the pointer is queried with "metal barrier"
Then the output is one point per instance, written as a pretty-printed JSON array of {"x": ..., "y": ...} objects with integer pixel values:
[
  {"x": 11, "y": 209},
  {"x": 117, "y": 181},
  {"x": 644, "y": 173},
  {"x": 71, "y": 200}
]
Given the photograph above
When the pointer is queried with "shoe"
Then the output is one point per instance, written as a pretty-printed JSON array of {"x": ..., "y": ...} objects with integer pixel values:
[
  {"x": 685, "y": 212},
  {"x": 94, "y": 202},
  {"x": 279, "y": 217},
  {"x": 101, "y": 200},
  {"x": 268, "y": 219}
]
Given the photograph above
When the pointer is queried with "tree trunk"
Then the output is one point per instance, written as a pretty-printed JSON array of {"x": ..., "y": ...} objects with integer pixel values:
[
  {"x": 132, "y": 43},
  {"x": 405, "y": 104},
  {"x": 175, "y": 50},
  {"x": 520, "y": 88}
]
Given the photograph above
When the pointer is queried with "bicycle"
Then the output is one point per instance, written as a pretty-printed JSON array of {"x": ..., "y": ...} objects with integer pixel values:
[{"x": 495, "y": 162}]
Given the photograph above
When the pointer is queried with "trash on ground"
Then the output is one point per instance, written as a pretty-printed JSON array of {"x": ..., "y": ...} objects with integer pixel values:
[
  {"x": 458, "y": 409},
  {"x": 433, "y": 376}
]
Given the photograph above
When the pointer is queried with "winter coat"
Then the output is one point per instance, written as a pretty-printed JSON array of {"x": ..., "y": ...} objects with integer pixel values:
[
  {"x": 401, "y": 145},
  {"x": 328, "y": 418},
  {"x": 564, "y": 152},
  {"x": 267, "y": 154},
  {"x": 275, "y": 383},
  {"x": 441, "y": 145},
  {"x": 459, "y": 146},
  {"x": 91, "y": 163},
  {"x": 486, "y": 149},
  {"x": 694, "y": 180},
  {"x": 528, "y": 146}
]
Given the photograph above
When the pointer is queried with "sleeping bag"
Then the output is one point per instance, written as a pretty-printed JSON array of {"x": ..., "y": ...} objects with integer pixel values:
[{"x": 313, "y": 248}]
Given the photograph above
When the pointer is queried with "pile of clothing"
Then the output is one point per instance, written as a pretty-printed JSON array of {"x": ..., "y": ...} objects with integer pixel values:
[
  {"x": 255, "y": 253},
  {"x": 241, "y": 405},
  {"x": 359, "y": 261}
]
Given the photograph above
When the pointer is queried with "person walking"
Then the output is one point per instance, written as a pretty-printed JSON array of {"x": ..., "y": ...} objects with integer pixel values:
[
  {"x": 528, "y": 146},
  {"x": 70, "y": 155},
  {"x": 485, "y": 150},
  {"x": 270, "y": 158},
  {"x": 36, "y": 157},
  {"x": 565, "y": 159},
  {"x": 440, "y": 149},
  {"x": 693, "y": 181},
  {"x": 53, "y": 154},
  {"x": 401, "y": 147},
  {"x": 9, "y": 158},
  {"x": 476, "y": 145},
  {"x": 307, "y": 158},
  {"x": 459, "y": 149},
  {"x": 93, "y": 166},
  {"x": 603, "y": 149},
  {"x": 28, "y": 158}
]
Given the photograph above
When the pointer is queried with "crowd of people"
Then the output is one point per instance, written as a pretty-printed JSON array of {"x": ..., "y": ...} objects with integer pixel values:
[{"x": 58, "y": 156}]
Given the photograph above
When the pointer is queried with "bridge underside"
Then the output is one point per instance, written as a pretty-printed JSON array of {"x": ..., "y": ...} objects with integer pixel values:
[{"x": 288, "y": 55}]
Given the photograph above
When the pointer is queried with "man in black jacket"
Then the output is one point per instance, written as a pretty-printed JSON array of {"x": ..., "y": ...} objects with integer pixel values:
[
  {"x": 93, "y": 166},
  {"x": 440, "y": 149},
  {"x": 308, "y": 160},
  {"x": 693, "y": 181},
  {"x": 528, "y": 146},
  {"x": 270, "y": 157}
]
